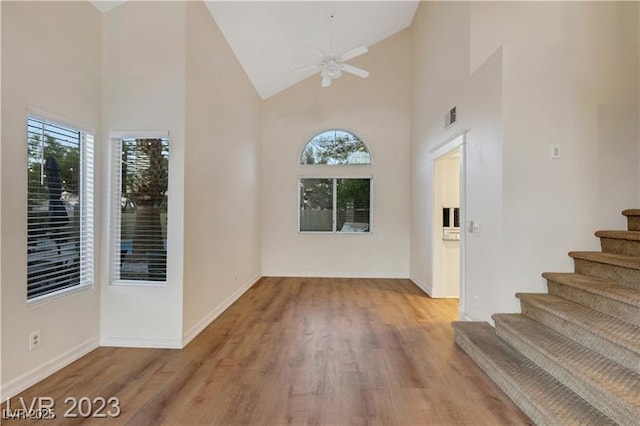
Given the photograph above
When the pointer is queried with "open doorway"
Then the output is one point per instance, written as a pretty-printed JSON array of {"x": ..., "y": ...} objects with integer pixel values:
[{"x": 448, "y": 220}]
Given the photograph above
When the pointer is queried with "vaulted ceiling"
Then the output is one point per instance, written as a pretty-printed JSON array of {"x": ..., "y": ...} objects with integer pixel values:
[{"x": 273, "y": 38}]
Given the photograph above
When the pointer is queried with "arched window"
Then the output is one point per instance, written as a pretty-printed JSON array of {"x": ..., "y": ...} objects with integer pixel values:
[
  {"x": 333, "y": 147},
  {"x": 332, "y": 203}
]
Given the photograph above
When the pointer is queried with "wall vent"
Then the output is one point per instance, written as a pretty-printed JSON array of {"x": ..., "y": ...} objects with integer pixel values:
[{"x": 450, "y": 118}]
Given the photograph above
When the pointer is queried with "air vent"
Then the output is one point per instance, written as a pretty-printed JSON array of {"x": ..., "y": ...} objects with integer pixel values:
[{"x": 450, "y": 118}]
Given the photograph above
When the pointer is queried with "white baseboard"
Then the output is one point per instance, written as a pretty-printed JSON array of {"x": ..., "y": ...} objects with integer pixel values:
[
  {"x": 30, "y": 378},
  {"x": 398, "y": 276},
  {"x": 141, "y": 342},
  {"x": 424, "y": 287},
  {"x": 215, "y": 313}
]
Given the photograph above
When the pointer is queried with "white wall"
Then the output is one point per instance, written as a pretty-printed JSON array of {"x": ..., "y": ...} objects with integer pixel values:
[
  {"x": 222, "y": 189},
  {"x": 1, "y": 382},
  {"x": 580, "y": 92},
  {"x": 144, "y": 69},
  {"x": 520, "y": 90},
  {"x": 377, "y": 110},
  {"x": 52, "y": 65}
]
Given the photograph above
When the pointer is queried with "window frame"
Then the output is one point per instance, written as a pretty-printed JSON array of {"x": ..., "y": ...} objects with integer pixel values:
[
  {"x": 87, "y": 191},
  {"x": 115, "y": 213},
  {"x": 335, "y": 178},
  {"x": 335, "y": 129}
]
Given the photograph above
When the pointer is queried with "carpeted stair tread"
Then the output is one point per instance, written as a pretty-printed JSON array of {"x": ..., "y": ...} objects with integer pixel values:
[
  {"x": 543, "y": 398},
  {"x": 597, "y": 286},
  {"x": 608, "y": 327},
  {"x": 633, "y": 219},
  {"x": 630, "y": 262},
  {"x": 631, "y": 212},
  {"x": 609, "y": 387},
  {"x": 619, "y": 235}
]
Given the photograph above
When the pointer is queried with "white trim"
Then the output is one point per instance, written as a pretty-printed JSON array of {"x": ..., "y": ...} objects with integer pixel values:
[
  {"x": 217, "y": 311},
  {"x": 50, "y": 297},
  {"x": 459, "y": 141},
  {"x": 141, "y": 342},
  {"x": 47, "y": 116},
  {"x": 40, "y": 373},
  {"x": 138, "y": 283},
  {"x": 449, "y": 145},
  {"x": 138, "y": 134},
  {"x": 424, "y": 287},
  {"x": 324, "y": 274}
]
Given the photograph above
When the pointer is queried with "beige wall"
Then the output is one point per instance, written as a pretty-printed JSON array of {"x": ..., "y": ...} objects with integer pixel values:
[
  {"x": 520, "y": 90},
  {"x": 46, "y": 65},
  {"x": 222, "y": 163},
  {"x": 144, "y": 72},
  {"x": 376, "y": 109}
]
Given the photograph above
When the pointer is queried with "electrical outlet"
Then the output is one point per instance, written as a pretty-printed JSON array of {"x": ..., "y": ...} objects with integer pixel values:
[
  {"x": 35, "y": 339},
  {"x": 476, "y": 303},
  {"x": 556, "y": 152}
]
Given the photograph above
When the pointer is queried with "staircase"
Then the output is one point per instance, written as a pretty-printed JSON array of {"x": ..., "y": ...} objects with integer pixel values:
[{"x": 573, "y": 355}]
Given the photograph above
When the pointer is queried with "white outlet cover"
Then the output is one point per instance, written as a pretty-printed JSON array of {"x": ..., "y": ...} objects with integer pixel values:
[{"x": 35, "y": 339}]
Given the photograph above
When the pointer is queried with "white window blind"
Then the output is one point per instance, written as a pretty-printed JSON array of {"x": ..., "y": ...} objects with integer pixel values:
[
  {"x": 139, "y": 210},
  {"x": 335, "y": 204},
  {"x": 60, "y": 168}
]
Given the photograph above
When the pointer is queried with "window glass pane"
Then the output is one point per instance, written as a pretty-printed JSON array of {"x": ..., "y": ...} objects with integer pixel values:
[
  {"x": 316, "y": 205},
  {"x": 53, "y": 207},
  {"x": 353, "y": 205},
  {"x": 143, "y": 209},
  {"x": 335, "y": 147}
]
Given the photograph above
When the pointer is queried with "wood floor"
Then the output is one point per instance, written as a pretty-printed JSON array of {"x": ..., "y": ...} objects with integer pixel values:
[{"x": 299, "y": 351}]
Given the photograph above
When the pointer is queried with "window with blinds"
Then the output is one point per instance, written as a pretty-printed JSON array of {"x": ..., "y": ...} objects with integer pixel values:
[
  {"x": 139, "y": 210},
  {"x": 59, "y": 208},
  {"x": 335, "y": 204}
]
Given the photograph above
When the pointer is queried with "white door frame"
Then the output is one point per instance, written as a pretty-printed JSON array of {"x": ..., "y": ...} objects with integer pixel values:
[{"x": 459, "y": 141}]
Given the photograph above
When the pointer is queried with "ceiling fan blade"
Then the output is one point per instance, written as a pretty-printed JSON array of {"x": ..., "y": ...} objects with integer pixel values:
[
  {"x": 361, "y": 50},
  {"x": 326, "y": 81},
  {"x": 355, "y": 70},
  {"x": 316, "y": 67},
  {"x": 320, "y": 52}
]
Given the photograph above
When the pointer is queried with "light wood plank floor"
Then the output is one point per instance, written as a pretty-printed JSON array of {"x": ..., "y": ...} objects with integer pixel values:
[{"x": 299, "y": 351}]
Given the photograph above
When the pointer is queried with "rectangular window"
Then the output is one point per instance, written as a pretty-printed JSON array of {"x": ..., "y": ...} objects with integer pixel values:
[
  {"x": 59, "y": 208},
  {"x": 139, "y": 207},
  {"x": 335, "y": 204}
]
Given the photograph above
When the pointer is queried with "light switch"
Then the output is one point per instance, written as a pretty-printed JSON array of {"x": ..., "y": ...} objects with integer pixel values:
[
  {"x": 476, "y": 229},
  {"x": 556, "y": 152}
]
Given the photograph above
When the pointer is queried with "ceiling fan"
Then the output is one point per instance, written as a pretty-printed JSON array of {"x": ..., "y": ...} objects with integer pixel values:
[{"x": 331, "y": 66}]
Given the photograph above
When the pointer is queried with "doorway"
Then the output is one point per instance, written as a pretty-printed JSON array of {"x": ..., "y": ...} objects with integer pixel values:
[{"x": 448, "y": 191}]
